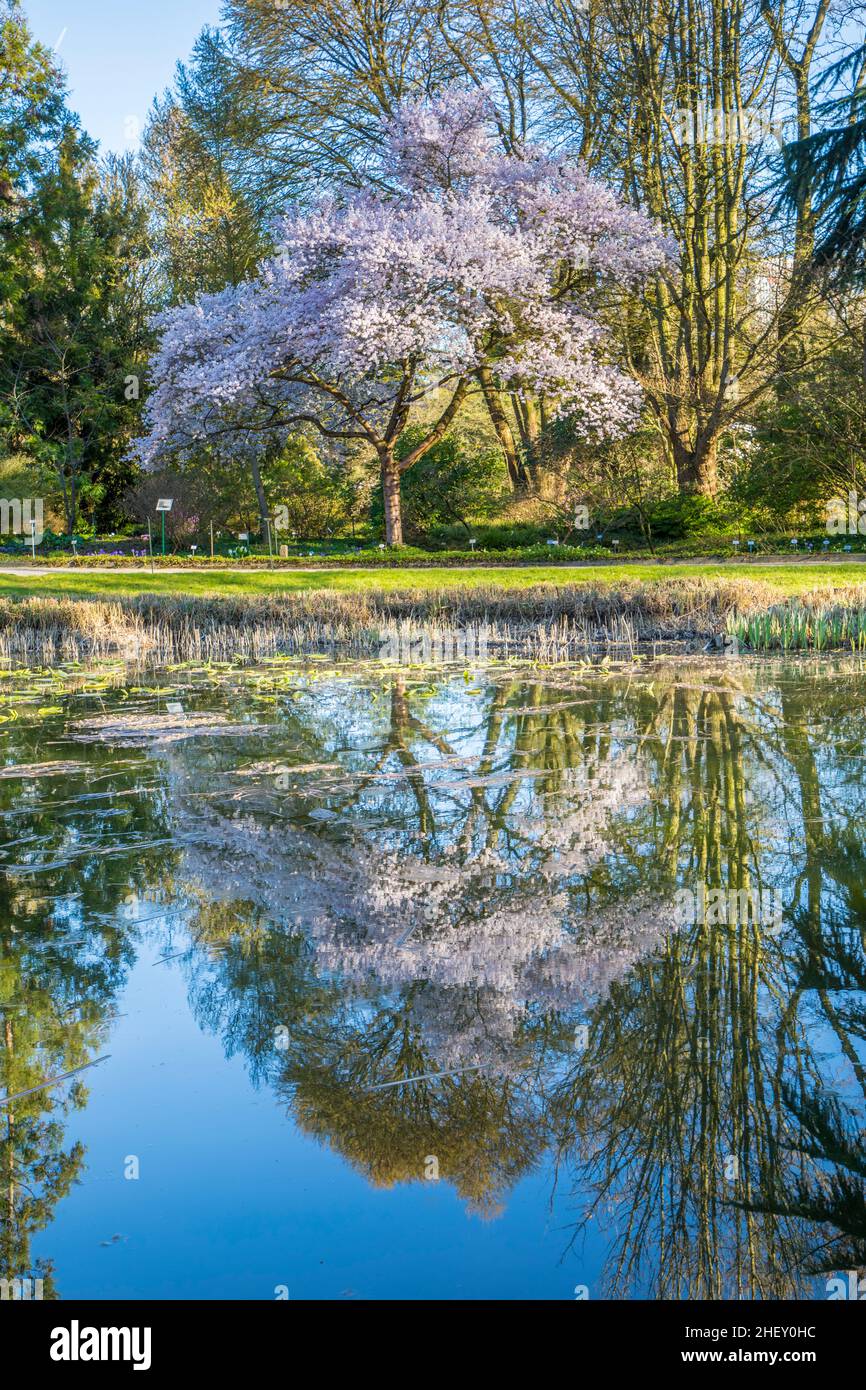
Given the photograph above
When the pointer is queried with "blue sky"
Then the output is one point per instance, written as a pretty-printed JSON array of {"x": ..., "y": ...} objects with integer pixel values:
[{"x": 118, "y": 54}]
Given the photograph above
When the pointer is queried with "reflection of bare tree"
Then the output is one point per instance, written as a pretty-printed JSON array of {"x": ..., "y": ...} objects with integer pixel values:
[
  {"x": 828, "y": 1195},
  {"x": 684, "y": 1119},
  {"x": 674, "y": 1117},
  {"x": 828, "y": 963}
]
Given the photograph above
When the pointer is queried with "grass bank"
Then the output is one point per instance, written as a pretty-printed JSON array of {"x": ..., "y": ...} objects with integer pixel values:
[
  {"x": 545, "y": 621},
  {"x": 786, "y": 577}
]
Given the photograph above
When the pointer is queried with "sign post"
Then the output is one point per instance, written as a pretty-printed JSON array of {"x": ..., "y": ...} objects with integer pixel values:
[{"x": 164, "y": 505}]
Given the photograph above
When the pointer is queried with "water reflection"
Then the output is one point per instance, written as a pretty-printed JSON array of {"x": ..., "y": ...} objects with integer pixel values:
[
  {"x": 63, "y": 957},
  {"x": 437, "y": 918}
]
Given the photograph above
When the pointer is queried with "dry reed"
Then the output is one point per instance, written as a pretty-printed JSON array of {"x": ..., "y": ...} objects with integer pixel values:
[{"x": 547, "y": 621}]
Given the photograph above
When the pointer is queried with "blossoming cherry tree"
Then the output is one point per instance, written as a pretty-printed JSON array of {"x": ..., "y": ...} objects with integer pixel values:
[{"x": 465, "y": 270}]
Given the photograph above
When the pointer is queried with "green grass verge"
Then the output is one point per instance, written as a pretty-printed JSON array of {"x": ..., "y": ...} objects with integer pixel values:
[{"x": 792, "y": 578}]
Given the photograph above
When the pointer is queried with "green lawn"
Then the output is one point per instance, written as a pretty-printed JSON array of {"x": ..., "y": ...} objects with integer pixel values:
[{"x": 792, "y": 577}]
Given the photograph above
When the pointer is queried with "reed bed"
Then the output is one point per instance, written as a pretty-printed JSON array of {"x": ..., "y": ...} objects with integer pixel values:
[
  {"x": 549, "y": 622},
  {"x": 811, "y": 624}
]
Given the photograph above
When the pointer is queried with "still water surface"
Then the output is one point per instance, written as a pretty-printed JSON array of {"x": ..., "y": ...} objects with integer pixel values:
[{"x": 399, "y": 991}]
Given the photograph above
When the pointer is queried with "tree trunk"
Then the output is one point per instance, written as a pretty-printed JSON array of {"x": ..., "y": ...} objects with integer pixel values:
[
  {"x": 72, "y": 504},
  {"x": 508, "y": 444},
  {"x": 67, "y": 510},
  {"x": 260, "y": 492},
  {"x": 391, "y": 498},
  {"x": 697, "y": 467},
  {"x": 529, "y": 423}
]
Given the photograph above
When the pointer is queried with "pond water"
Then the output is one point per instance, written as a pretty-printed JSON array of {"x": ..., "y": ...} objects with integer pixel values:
[{"x": 354, "y": 982}]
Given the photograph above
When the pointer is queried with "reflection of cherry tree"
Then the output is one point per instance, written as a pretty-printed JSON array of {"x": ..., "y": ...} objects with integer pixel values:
[
  {"x": 483, "y": 898},
  {"x": 468, "y": 877}
]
